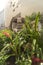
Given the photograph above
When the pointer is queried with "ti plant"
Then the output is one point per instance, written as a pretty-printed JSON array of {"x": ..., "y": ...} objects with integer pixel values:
[
  {"x": 23, "y": 46},
  {"x": 31, "y": 35}
]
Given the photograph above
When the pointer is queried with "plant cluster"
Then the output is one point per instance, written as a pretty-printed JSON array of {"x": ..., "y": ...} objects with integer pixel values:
[{"x": 21, "y": 48}]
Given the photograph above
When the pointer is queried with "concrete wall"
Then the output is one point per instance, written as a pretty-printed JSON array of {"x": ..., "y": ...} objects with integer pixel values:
[
  {"x": 2, "y": 20},
  {"x": 1, "y": 17},
  {"x": 25, "y": 7}
]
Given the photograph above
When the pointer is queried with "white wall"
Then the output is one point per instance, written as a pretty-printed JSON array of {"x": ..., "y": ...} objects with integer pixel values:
[
  {"x": 2, "y": 17},
  {"x": 26, "y": 7}
]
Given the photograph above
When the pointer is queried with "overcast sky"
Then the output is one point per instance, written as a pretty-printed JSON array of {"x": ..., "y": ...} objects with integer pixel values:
[{"x": 3, "y": 4}]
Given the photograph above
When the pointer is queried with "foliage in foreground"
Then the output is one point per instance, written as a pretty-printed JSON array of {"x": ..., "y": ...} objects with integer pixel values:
[{"x": 22, "y": 46}]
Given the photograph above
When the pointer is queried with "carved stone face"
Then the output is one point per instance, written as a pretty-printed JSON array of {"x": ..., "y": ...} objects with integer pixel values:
[
  {"x": 17, "y": 22},
  {"x": 17, "y": 26},
  {"x": 14, "y": 26}
]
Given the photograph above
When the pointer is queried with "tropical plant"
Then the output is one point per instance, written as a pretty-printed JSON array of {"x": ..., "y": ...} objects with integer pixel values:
[{"x": 22, "y": 46}]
